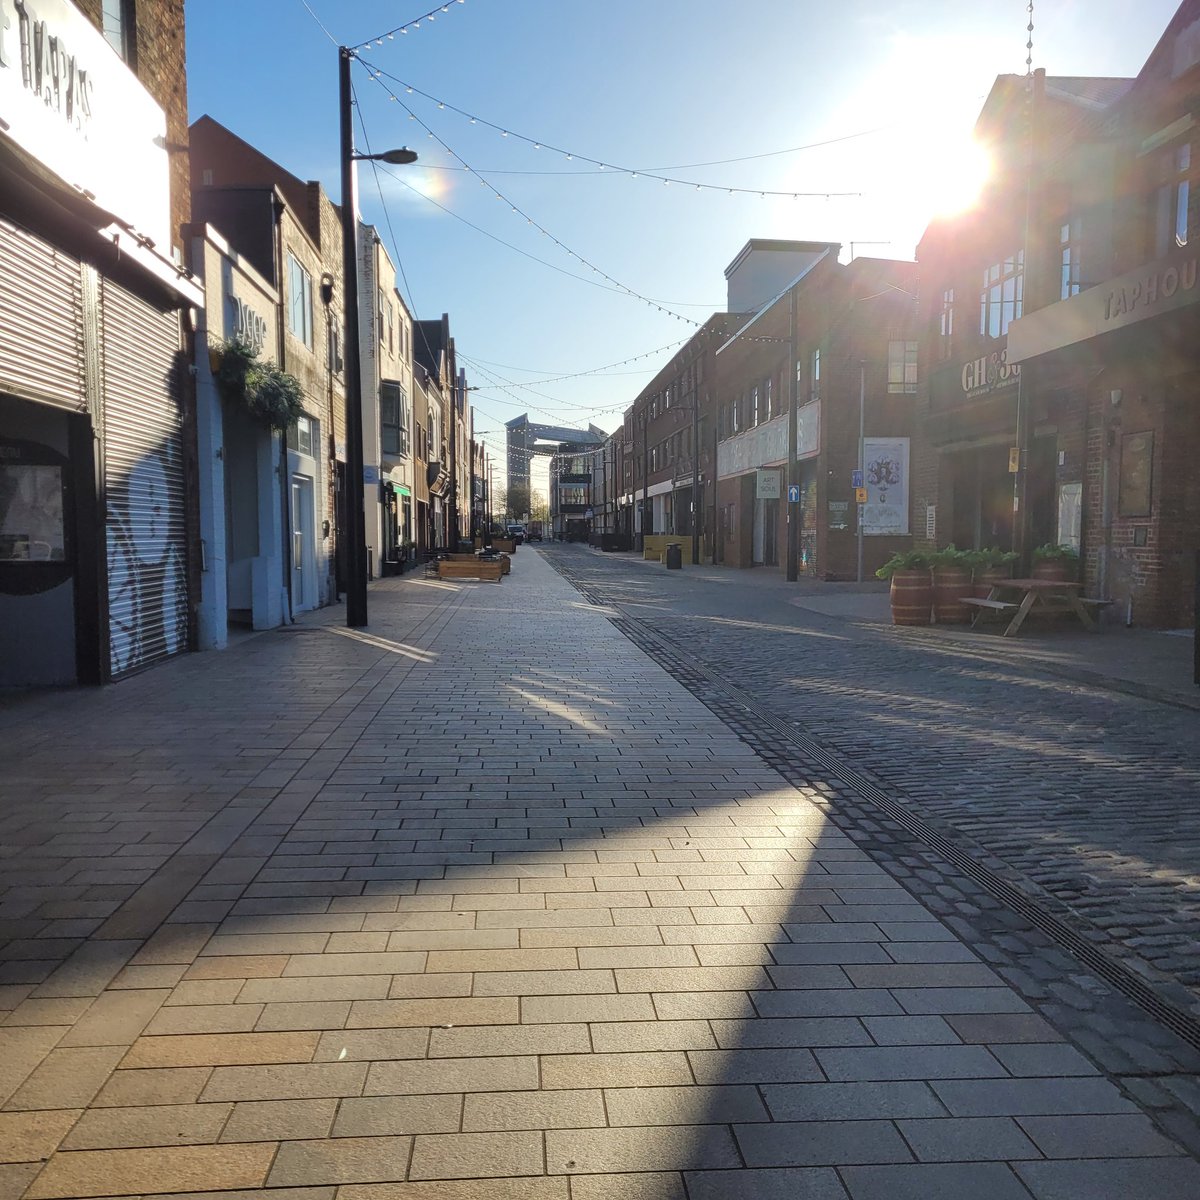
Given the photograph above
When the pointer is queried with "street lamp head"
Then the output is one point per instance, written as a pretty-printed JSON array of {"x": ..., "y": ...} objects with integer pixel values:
[{"x": 398, "y": 158}]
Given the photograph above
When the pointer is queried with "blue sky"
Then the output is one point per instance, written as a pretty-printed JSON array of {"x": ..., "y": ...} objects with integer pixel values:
[{"x": 656, "y": 84}]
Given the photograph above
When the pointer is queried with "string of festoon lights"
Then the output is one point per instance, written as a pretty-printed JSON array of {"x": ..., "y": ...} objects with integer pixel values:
[
  {"x": 495, "y": 382},
  {"x": 573, "y": 156},
  {"x": 377, "y": 77},
  {"x": 408, "y": 26},
  {"x": 591, "y": 371}
]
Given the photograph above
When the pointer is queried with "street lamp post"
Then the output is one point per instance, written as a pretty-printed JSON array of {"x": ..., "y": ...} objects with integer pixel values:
[{"x": 356, "y": 524}]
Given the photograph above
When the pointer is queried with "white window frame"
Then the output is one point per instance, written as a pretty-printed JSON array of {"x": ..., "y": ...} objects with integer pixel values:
[
  {"x": 300, "y": 300},
  {"x": 902, "y": 366}
]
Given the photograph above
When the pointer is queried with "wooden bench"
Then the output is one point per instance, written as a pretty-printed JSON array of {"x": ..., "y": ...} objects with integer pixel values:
[
  {"x": 1003, "y": 607},
  {"x": 472, "y": 568}
]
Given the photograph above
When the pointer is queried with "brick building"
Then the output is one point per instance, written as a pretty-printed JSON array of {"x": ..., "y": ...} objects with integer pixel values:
[
  {"x": 97, "y": 461},
  {"x": 290, "y": 232},
  {"x": 657, "y": 492},
  {"x": 1115, "y": 349},
  {"x": 845, "y": 337},
  {"x": 1022, "y": 247}
]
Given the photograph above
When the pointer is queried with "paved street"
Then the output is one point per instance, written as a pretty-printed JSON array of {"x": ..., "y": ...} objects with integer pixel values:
[
  {"x": 1090, "y": 796},
  {"x": 483, "y": 903}
]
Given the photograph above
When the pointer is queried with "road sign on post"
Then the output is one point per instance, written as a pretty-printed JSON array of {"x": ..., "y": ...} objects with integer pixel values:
[
  {"x": 860, "y": 495},
  {"x": 856, "y": 479},
  {"x": 793, "y": 493}
]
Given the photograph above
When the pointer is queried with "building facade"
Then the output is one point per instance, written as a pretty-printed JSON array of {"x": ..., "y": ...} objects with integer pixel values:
[
  {"x": 97, "y": 457},
  {"x": 1115, "y": 348},
  {"x": 290, "y": 232},
  {"x": 839, "y": 343},
  {"x": 239, "y": 459}
]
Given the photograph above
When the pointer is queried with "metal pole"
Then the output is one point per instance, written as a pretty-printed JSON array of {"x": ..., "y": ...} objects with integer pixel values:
[
  {"x": 356, "y": 524},
  {"x": 862, "y": 466},
  {"x": 645, "y": 475},
  {"x": 696, "y": 509},
  {"x": 793, "y": 474},
  {"x": 716, "y": 481}
]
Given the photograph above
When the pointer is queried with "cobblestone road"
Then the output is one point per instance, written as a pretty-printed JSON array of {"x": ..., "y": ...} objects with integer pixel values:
[
  {"x": 1090, "y": 795},
  {"x": 482, "y": 904}
]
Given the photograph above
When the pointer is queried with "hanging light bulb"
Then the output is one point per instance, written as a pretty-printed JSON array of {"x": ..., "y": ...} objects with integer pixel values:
[
  {"x": 472, "y": 120},
  {"x": 391, "y": 37},
  {"x": 440, "y": 104},
  {"x": 504, "y": 133},
  {"x": 537, "y": 145},
  {"x": 570, "y": 158},
  {"x": 408, "y": 90}
]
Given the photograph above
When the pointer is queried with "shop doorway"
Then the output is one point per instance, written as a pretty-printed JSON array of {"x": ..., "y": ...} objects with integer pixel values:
[
  {"x": 304, "y": 545},
  {"x": 766, "y": 533}
]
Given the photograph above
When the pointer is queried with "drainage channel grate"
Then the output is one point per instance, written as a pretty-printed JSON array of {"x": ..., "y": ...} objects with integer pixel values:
[{"x": 688, "y": 671}]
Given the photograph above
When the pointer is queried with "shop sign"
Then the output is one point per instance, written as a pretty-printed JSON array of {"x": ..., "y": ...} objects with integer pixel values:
[
  {"x": 885, "y": 510},
  {"x": 68, "y": 100},
  {"x": 1150, "y": 291},
  {"x": 249, "y": 327},
  {"x": 768, "y": 484},
  {"x": 988, "y": 374}
]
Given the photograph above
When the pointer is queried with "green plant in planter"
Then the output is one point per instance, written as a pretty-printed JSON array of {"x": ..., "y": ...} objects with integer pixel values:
[
  {"x": 269, "y": 394},
  {"x": 274, "y": 396},
  {"x": 951, "y": 556},
  {"x": 1053, "y": 553},
  {"x": 906, "y": 560}
]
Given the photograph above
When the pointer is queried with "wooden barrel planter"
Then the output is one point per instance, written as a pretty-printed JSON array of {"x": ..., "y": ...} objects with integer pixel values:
[
  {"x": 950, "y": 584},
  {"x": 986, "y": 578},
  {"x": 1058, "y": 569},
  {"x": 911, "y": 596}
]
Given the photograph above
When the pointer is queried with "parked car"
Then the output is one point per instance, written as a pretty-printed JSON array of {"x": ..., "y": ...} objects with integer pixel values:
[{"x": 516, "y": 531}]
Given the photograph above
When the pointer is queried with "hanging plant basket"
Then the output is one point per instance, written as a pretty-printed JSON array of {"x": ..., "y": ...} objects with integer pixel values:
[{"x": 270, "y": 395}]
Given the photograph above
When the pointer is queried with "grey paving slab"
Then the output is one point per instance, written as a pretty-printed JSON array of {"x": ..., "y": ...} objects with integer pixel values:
[{"x": 556, "y": 920}]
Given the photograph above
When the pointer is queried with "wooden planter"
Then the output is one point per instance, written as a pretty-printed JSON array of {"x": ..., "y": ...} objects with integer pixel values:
[
  {"x": 950, "y": 585},
  {"x": 1061, "y": 570},
  {"x": 911, "y": 595},
  {"x": 986, "y": 577}
]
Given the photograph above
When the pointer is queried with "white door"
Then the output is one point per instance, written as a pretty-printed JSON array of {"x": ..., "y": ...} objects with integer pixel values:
[
  {"x": 304, "y": 545},
  {"x": 759, "y": 538}
]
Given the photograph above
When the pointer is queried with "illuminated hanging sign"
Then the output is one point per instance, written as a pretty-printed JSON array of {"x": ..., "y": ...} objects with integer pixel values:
[{"x": 68, "y": 100}]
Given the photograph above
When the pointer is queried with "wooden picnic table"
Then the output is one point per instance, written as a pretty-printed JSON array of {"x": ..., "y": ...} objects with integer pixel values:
[{"x": 1036, "y": 596}]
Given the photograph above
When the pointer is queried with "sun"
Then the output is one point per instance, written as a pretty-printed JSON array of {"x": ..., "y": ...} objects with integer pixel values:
[{"x": 953, "y": 175}]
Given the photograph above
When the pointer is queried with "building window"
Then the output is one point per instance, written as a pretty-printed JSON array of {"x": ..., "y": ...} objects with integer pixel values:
[
  {"x": 814, "y": 375},
  {"x": 768, "y": 399},
  {"x": 735, "y": 415},
  {"x": 946, "y": 324},
  {"x": 1001, "y": 296},
  {"x": 300, "y": 301},
  {"x": 393, "y": 418},
  {"x": 1068, "y": 240},
  {"x": 300, "y": 437},
  {"x": 756, "y": 416},
  {"x": 1173, "y": 195},
  {"x": 118, "y": 23},
  {"x": 902, "y": 366}
]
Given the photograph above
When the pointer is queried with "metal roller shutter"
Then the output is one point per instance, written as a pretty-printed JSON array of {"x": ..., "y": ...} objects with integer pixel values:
[
  {"x": 41, "y": 320},
  {"x": 144, "y": 476}
]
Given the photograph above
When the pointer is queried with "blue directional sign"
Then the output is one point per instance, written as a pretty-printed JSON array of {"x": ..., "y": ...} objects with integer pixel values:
[
  {"x": 856, "y": 479},
  {"x": 793, "y": 493}
]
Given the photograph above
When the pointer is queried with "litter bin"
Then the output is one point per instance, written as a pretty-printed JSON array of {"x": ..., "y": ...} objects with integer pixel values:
[{"x": 674, "y": 556}]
